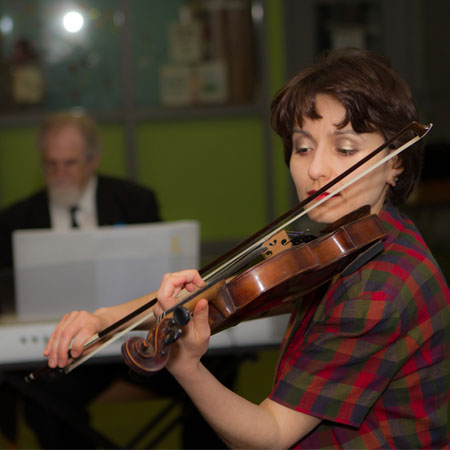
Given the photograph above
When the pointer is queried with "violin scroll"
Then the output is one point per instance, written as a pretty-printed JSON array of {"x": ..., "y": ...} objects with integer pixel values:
[{"x": 145, "y": 356}]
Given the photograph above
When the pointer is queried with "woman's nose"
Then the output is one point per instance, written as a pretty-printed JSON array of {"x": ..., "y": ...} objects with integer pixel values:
[{"x": 320, "y": 164}]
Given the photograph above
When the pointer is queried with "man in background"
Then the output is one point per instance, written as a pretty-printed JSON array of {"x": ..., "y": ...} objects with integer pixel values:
[{"x": 75, "y": 196}]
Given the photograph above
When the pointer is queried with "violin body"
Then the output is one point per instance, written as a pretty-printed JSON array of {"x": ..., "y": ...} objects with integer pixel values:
[
  {"x": 271, "y": 286},
  {"x": 267, "y": 288}
]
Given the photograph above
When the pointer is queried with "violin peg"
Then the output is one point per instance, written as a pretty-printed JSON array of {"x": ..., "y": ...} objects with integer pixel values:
[
  {"x": 181, "y": 316},
  {"x": 171, "y": 337}
]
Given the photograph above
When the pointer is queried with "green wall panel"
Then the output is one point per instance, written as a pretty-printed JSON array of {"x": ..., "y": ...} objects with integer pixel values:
[
  {"x": 113, "y": 158},
  {"x": 19, "y": 164},
  {"x": 277, "y": 77},
  {"x": 210, "y": 171}
]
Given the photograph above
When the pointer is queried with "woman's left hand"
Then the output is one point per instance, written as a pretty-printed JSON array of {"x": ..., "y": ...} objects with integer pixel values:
[{"x": 185, "y": 354}]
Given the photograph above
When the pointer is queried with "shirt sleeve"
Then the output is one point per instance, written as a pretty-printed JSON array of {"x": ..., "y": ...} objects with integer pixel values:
[{"x": 349, "y": 354}]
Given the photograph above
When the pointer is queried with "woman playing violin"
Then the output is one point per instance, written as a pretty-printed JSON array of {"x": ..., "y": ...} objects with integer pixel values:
[{"x": 365, "y": 362}]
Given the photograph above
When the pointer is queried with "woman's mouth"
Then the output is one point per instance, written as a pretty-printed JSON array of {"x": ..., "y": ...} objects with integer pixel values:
[{"x": 323, "y": 195}]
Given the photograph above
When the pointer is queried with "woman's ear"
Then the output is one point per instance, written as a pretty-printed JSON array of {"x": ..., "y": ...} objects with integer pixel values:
[{"x": 396, "y": 170}]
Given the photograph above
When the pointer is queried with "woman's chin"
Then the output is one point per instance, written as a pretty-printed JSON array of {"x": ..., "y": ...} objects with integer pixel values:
[
  {"x": 324, "y": 217},
  {"x": 327, "y": 213}
]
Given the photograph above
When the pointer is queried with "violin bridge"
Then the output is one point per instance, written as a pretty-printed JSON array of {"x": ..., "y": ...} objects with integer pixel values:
[{"x": 276, "y": 244}]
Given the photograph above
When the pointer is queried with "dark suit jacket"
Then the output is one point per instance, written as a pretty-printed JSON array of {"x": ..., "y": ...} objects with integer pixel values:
[{"x": 118, "y": 202}]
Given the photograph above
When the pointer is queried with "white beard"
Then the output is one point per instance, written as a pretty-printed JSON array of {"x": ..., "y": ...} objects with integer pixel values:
[{"x": 64, "y": 195}]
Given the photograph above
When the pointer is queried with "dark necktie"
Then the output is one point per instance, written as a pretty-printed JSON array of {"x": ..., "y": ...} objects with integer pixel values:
[{"x": 73, "y": 217}]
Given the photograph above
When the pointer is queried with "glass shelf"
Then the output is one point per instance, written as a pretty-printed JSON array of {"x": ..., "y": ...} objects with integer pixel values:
[{"x": 159, "y": 59}]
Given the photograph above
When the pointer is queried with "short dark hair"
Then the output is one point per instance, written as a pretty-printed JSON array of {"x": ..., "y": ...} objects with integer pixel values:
[{"x": 376, "y": 99}]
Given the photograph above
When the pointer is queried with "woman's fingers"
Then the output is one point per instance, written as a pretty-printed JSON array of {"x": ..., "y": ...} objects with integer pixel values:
[
  {"x": 73, "y": 330},
  {"x": 200, "y": 319},
  {"x": 173, "y": 283}
]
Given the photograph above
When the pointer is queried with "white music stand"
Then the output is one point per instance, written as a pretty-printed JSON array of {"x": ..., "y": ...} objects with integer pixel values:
[{"x": 60, "y": 271}]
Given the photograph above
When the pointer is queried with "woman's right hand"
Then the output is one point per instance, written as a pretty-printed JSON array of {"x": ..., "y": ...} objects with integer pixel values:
[{"x": 72, "y": 332}]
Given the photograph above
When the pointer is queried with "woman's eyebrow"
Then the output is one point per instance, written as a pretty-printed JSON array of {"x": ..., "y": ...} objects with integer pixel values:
[
  {"x": 302, "y": 132},
  {"x": 342, "y": 132}
]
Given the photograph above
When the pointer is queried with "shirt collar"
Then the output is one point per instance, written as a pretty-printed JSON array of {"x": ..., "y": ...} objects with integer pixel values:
[{"x": 87, "y": 201}]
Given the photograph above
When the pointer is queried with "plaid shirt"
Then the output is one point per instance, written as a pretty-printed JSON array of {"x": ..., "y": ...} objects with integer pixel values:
[{"x": 372, "y": 357}]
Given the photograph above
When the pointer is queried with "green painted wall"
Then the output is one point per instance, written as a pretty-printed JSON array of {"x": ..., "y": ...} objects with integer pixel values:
[
  {"x": 276, "y": 57},
  {"x": 209, "y": 171},
  {"x": 19, "y": 164},
  {"x": 113, "y": 159}
]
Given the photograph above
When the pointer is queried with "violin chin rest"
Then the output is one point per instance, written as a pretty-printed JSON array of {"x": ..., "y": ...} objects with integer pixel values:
[{"x": 363, "y": 258}]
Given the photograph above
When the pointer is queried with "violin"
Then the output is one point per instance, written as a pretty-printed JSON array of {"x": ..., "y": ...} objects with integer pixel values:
[
  {"x": 267, "y": 288},
  {"x": 239, "y": 289}
]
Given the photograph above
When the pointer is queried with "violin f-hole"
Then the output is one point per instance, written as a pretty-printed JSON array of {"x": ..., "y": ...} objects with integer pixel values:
[{"x": 276, "y": 244}]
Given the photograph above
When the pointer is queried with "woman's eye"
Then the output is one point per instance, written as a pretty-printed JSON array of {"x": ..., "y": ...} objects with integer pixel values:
[
  {"x": 346, "y": 151},
  {"x": 302, "y": 150}
]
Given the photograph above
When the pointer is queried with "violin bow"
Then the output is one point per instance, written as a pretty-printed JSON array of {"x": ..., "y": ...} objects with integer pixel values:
[{"x": 251, "y": 246}]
